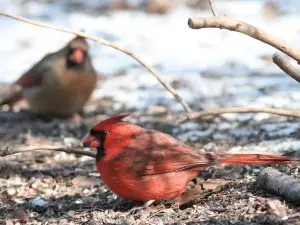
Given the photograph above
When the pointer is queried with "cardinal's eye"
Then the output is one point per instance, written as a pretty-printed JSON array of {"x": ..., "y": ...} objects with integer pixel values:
[
  {"x": 98, "y": 133},
  {"x": 101, "y": 134},
  {"x": 104, "y": 132}
]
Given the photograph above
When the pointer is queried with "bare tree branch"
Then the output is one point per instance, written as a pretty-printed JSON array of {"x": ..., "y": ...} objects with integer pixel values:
[
  {"x": 102, "y": 41},
  {"x": 256, "y": 33},
  {"x": 7, "y": 151},
  {"x": 217, "y": 112},
  {"x": 212, "y": 7},
  {"x": 247, "y": 29},
  {"x": 286, "y": 66}
]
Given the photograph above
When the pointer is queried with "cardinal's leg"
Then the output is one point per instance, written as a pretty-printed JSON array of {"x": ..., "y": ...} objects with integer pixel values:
[{"x": 142, "y": 207}]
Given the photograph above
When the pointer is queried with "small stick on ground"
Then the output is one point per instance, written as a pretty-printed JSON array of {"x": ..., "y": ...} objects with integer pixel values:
[
  {"x": 217, "y": 112},
  {"x": 107, "y": 43},
  {"x": 7, "y": 151},
  {"x": 247, "y": 29},
  {"x": 286, "y": 66},
  {"x": 280, "y": 184}
]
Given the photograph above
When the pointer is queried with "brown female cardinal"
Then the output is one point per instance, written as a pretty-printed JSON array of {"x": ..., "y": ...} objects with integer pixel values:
[
  {"x": 142, "y": 165},
  {"x": 60, "y": 83}
]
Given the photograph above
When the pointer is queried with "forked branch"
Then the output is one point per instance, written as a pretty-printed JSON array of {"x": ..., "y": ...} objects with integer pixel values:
[{"x": 256, "y": 33}]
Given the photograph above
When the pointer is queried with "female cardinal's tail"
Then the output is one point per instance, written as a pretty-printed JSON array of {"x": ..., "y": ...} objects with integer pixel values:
[
  {"x": 10, "y": 94},
  {"x": 253, "y": 159}
]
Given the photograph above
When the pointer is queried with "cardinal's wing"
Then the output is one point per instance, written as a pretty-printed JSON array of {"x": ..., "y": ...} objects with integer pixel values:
[
  {"x": 152, "y": 153},
  {"x": 33, "y": 77}
]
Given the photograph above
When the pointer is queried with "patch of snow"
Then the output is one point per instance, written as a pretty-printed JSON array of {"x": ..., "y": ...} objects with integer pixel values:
[
  {"x": 279, "y": 146},
  {"x": 240, "y": 132},
  {"x": 194, "y": 135},
  {"x": 38, "y": 201},
  {"x": 283, "y": 129}
]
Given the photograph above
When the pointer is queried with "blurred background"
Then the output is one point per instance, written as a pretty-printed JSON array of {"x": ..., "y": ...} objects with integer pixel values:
[{"x": 209, "y": 67}]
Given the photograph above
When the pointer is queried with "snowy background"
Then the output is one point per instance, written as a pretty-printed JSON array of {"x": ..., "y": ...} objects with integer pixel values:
[{"x": 209, "y": 68}]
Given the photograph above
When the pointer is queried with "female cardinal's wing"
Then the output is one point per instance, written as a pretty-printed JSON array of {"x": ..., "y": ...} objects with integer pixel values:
[
  {"x": 152, "y": 153},
  {"x": 33, "y": 77}
]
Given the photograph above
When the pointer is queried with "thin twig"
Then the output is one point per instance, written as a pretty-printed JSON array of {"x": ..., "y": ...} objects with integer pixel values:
[
  {"x": 286, "y": 66},
  {"x": 212, "y": 7},
  {"x": 247, "y": 29},
  {"x": 217, "y": 112},
  {"x": 102, "y": 41},
  {"x": 7, "y": 151}
]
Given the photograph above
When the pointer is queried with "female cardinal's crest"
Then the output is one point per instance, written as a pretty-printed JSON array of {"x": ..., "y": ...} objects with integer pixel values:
[
  {"x": 109, "y": 122},
  {"x": 79, "y": 42}
]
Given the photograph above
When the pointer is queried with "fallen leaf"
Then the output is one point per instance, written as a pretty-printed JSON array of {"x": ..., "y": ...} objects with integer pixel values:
[
  {"x": 199, "y": 191},
  {"x": 85, "y": 181},
  {"x": 277, "y": 208},
  {"x": 20, "y": 214}
]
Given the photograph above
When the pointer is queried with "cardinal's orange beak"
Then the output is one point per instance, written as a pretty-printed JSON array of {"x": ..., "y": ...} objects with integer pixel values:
[
  {"x": 77, "y": 56},
  {"x": 91, "y": 141}
]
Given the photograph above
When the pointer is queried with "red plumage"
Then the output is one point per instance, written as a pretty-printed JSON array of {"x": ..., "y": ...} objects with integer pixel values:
[{"x": 141, "y": 164}]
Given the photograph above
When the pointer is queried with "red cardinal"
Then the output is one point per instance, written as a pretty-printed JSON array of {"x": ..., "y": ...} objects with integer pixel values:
[
  {"x": 142, "y": 165},
  {"x": 60, "y": 83}
]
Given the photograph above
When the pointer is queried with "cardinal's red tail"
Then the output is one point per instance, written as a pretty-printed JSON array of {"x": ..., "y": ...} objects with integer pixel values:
[{"x": 253, "y": 159}]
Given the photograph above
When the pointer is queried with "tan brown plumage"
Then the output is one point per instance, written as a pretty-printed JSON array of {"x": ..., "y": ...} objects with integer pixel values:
[{"x": 60, "y": 83}]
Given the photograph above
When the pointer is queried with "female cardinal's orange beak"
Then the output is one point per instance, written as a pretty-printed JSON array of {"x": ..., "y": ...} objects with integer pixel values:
[
  {"x": 77, "y": 56},
  {"x": 91, "y": 141}
]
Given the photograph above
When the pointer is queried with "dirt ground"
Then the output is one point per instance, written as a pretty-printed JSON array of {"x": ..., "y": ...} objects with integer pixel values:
[{"x": 59, "y": 188}]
